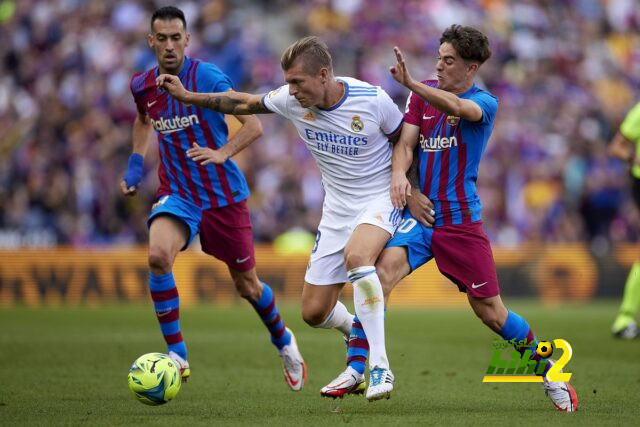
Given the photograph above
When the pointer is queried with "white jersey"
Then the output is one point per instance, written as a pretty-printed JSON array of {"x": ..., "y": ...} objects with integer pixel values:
[{"x": 348, "y": 141}]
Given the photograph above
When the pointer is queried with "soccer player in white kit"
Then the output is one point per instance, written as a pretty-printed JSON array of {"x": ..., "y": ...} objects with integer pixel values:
[{"x": 348, "y": 126}]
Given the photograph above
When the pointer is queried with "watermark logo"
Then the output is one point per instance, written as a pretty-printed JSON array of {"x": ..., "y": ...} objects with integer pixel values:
[{"x": 521, "y": 368}]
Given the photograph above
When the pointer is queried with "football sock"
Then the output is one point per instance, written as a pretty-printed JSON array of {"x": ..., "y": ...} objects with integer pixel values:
[
  {"x": 358, "y": 348},
  {"x": 339, "y": 318},
  {"x": 268, "y": 311},
  {"x": 630, "y": 300},
  {"x": 517, "y": 329},
  {"x": 166, "y": 303},
  {"x": 368, "y": 300}
]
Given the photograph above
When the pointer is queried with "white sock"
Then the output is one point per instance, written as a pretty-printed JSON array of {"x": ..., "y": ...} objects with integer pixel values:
[
  {"x": 339, "y": 318},
  {"x": 369, "y": 304}
]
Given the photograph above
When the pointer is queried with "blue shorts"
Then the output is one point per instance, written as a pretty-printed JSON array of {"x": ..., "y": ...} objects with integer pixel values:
[
  {"x": 416, "y": 238},
  {"x": 181, "y": 209},
  {"x": 225, "y": 233},
  {"x": 462, "y": 253}
]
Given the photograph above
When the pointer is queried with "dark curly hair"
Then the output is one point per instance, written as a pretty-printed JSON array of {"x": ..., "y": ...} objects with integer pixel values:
[{"x": 470, "y": 43}]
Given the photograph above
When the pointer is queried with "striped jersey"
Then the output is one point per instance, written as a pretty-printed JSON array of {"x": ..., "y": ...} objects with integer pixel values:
[
  {"x": 449, "y": 153},
  {"x": 178, "y": 126},
  {"x": 348, "y": 141}
]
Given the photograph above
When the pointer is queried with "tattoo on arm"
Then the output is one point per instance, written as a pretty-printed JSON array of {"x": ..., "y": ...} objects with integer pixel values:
[
  {"x": 228, "y": 105},
  {"x": 412, "y": 173}
]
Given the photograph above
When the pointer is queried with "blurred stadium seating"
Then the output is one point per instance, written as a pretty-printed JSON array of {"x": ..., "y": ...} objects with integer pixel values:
[{"x": 565, "y": 73}]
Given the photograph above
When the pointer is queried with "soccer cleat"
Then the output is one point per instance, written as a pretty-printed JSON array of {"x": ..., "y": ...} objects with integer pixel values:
[
  {"x": 293, "y": 366},
  {"x": 380, "y": 384},
  {"x": 628, "y": 332},
  {"x": 348, "y": 382},
  {"x": 562, "y": 394},
  {"x": 182, "y": 364}
]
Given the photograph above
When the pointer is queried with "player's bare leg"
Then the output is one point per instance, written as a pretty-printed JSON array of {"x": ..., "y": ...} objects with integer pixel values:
[
  {"x": 167, "y": 236},
  {"x": 262, "y": 299},
  {"x": 495, "y": 315},
  {"x": 361, "y": 252}
]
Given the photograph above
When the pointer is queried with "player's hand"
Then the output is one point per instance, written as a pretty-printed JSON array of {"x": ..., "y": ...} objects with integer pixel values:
[
  {"x": 173, "y": 85},
  {"x": 133, "y": 175},
  {"x": 126, "y": 190},
  {"x": 636, "y": 161},
  {"x": 399, "y": 190},
  {"x": 399, "y": 71},
  {"x": 206, "y": 155},
  {"x": 421, "y": 208}
]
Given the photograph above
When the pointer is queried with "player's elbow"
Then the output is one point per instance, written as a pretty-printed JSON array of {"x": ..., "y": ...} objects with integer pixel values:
[{"x": 255, "y": 125}]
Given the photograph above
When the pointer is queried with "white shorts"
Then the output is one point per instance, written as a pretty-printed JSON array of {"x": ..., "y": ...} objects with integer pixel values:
[{"x": 326, "y": 264}]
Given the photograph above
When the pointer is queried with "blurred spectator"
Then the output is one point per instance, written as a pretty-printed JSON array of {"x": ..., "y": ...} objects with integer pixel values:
[{"x": 564, "y": 73}]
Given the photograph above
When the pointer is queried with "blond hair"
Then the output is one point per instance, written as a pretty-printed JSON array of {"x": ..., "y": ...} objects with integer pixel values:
[{"x": 313, "y": 53}]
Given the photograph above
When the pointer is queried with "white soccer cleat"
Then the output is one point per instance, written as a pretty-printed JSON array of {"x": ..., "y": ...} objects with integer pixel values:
[
  {"x": 380, "y": 384},
  {"x": 348, "y": 382},
  {"x": 561, "y": 393},
  {"x": 182, "y": 365},
  {"x": 293, "y": 366},
  {"x": 629, "y": 332}
]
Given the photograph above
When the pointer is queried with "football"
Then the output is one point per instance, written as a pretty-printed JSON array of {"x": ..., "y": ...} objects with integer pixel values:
[
  {"x": 544, "y": 349},
  {"x": 154, "y": 379}
]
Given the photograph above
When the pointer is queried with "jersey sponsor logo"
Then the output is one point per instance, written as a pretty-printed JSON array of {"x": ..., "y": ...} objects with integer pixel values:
[
  {"x": 438, "y": 143},
  {"x": 175, "y": 124},
  {"x": 425, "y": 117},
  {"x": 336, "y": 138},
  {"x": 356, "y": 124},
  {"x": 453, "y": 120},
  {"x": 240, "y": 261},
  {"x": 474, "y": 286},
  {"x": 151, "y": 103},
  {"x": 308, "y": 116}
]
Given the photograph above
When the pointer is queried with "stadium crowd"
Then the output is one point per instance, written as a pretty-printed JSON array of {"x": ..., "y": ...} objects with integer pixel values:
[{"x": 565, "y": 72}]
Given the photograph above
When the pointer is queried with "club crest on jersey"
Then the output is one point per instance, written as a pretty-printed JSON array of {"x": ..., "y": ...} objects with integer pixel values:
[
  {"x": 453, "y": 120},
  {"x": 356, "y": 124},
  {"x": 309, "y": 116}
]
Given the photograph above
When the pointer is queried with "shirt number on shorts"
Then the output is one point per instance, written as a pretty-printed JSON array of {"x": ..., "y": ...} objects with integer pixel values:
[
  {"x": 315, "y": 245},
  {"x": 406, "y": 225}
]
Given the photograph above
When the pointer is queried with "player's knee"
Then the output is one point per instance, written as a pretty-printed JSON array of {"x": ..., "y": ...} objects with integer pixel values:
[
  {"x": 313, "y": 315},
  {"x": 160, "y": 260},
  {"x": 353, "y": 259}
]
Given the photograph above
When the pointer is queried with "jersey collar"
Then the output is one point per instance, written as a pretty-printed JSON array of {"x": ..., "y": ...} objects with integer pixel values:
[{"x": 341, "y": 101}]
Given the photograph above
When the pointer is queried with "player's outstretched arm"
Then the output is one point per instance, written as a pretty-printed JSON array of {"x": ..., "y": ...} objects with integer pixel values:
[
  {"x": 141, "y": 135},
  {"x": 250, "y": 130},
  {"x": 236, "y": 103},
  {"x": 442, "y": 100}
]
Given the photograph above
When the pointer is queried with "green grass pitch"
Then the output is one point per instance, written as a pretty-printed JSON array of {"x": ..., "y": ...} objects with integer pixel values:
[{"x": 68, "y": 366}]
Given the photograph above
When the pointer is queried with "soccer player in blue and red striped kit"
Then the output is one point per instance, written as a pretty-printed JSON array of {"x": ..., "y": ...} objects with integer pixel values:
[
  {"x": 201, "y": 189},
  {"x": 448, "y": 122}
]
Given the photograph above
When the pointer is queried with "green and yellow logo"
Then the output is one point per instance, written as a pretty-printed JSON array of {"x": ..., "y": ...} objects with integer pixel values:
[{"x": 520, "y": 368}]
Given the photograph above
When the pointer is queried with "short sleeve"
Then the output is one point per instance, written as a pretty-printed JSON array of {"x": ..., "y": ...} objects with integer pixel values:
[
  {"x": 276, "y": 101},
  {"x": 390, "y": 115},
  {"x": 413, "y": 111},
  {"x": 211, "y": 79},
  {"x": 135, "y": 92},
  {"x": 488, "y": 104},
  {"x": 630, "y": 127}
]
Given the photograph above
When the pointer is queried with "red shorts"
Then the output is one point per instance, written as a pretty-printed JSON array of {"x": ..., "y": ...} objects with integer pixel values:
[
  {"x": 226, "y": 233},
  {"x": 463, "y": 254}
]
